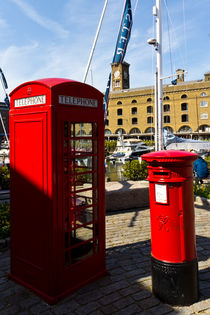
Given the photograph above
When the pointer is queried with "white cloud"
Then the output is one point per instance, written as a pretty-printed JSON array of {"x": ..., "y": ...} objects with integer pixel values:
[{"x": 45, "y": 22}]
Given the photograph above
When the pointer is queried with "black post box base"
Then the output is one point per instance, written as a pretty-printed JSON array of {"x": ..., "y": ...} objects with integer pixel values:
[{"x": 175, "y": 283}]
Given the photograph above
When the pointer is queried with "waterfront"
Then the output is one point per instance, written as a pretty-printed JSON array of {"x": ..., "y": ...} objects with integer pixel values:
[{"x": 114, "y": 172}]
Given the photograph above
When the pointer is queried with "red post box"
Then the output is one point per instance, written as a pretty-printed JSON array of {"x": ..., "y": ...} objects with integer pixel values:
[
  {"x": 173, "y": 246},
  {"x": 57, "y": 186}
]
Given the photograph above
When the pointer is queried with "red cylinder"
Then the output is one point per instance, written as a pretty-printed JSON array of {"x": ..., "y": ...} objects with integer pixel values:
[{"x": 173, "y": 244}]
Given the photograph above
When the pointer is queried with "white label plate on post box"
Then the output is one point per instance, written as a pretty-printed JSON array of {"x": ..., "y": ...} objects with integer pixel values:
[{"x": 161, "y": 193}]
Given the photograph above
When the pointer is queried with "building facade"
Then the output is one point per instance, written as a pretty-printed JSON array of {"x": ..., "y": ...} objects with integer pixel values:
[{"x": 186, "y": 107}]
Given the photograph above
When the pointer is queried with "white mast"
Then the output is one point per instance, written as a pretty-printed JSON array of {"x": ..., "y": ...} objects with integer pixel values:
[
  {"x": 157, "y": 43},
  {"x": 95, "y": 41},
  {"x": 159, "y": 75}
]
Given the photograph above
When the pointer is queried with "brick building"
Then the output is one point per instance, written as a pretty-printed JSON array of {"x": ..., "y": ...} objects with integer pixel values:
[{"x": 186, "y": 107}]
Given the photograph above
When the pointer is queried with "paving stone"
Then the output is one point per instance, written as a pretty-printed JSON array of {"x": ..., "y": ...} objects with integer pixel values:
[
  {"x": 123, "y": 302},
  {"x": 114, "y": 287},
  {"x": 14, "y": 309},
  {"x": 108, "y": 299},
  {"x": 149, "y": 302},
  {"x": 66, "y": 308},
  {"x": 141, "y": 295},
  {"x": 88, "y": 297},
  {"x": 86, "y": 309},
  {"x": 108, "y": 309},
  {"x": 131, "y": 309},
  {"x": 161, "y": 309},
  {"x": 130, "y": 290},
  {"x": 39, "y": 308}
]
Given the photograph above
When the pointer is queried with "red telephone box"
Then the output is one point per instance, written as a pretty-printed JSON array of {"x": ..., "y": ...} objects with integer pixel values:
[
  {"x": 173, "y": 256},
  {"x": 57, "y": 186}
]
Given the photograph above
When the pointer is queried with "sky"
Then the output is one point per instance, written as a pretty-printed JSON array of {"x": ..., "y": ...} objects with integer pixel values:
[{"x": 53, "y": 38}]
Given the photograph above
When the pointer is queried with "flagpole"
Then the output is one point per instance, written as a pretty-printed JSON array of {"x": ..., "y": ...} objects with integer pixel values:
[
  {"x": 95, "y": 41},
  {"x": 159, "y": 75}
]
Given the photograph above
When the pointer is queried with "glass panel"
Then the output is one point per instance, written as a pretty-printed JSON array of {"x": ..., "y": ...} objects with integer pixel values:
[
  {"x": 81, "y": 252},
  {"x": 84, "y": 216},
  {"x": 82, "y": 234},
  {"x": 65, "y": 128},
  {"x": 82, "y": 164},
  {"x": 81, "y": 146},
  {"x": 81, "y": 129}
]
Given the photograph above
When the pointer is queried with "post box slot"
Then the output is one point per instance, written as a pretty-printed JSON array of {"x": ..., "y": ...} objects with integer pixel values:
[{"x": 161, "y": 174}]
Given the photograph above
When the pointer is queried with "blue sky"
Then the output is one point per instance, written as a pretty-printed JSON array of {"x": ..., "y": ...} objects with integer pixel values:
[{"x": 53, "y": 38}]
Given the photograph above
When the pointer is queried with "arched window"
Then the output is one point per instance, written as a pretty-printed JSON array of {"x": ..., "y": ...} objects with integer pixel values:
[
  {"x": 185, "y": 129},
  {"x": 149, "y": 99},
  {"x": 134, "y": 121},
  {"x": 119, "y": 103},
  {"x": 120, "y": 131},
  {"x": 204, "y": 104},
  {"x": 150, "y": 120},
  {"x": 166, "y": 98},
  {"x": 204, "y": 128},
  {"x": 185, "y": 118},
  {"x": 184, "y": 106},
  {"x": 134, "y": 101},
  {"x": 203, "y": 94},
  {"x": 119, "y": 111},
  {"x": 169, "y": 129},
  {"x": 149, "y": 109},
  {"x": 107, "y": 132},
  {"x": 134, "y": 110},
  {"x": 150, "y": 130},
  {"x": 166, "y": 119},
  {"x": 166, "y": 108},
  {"x": 184, "y": 96},
  {"x": 134, "y": 130},
  {"x": 120, "y": 122}
]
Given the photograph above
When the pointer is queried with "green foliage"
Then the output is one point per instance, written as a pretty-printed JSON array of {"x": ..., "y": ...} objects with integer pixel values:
[
  {"x": 4, "y": 220},
  {"x": 207, "y": 159},
  {"x": 149, "y": 143},
  {"x": 202, "y": 190},
  {"x": 4, "y": 177},
  {"x": 110, "y": 146},
  {"x": 133, "y": 170}
]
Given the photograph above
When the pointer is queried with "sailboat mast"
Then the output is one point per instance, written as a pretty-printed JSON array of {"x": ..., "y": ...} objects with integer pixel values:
[
  {"x": 159, "y": 73},
  {"x": 95, "y": 41}
]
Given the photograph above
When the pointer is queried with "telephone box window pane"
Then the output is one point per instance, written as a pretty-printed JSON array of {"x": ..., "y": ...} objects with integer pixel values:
[
  {"x": 82, "y": 164},
  {"x": 81, "y": 146},
  {"x": 82, "y": 234},
  {"x": 82, "y": 252},
  {"x": 81, "y": 129},
  {"x": 66, "y": 125},
  {"x": 84, "y": 216}
]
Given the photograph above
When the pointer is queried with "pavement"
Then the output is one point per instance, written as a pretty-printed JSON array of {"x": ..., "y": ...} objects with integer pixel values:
[{"x": 126, "y": 289}]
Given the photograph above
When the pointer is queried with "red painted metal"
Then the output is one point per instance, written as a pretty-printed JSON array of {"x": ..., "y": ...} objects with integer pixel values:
[
  {"x": 57, "y": 186},
  {"x": 171, "y": 205}
]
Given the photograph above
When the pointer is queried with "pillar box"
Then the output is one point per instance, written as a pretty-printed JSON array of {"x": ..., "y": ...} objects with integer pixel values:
[
  {"x": 173, "y": 245},
  {"x": 57, "y": 186}
]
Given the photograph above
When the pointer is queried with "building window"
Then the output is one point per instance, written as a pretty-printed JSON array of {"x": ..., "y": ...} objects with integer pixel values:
[
  {"x": 166, "y": 119},
  {"x": 134, "y": 110},
  {"x": 108, "y": 132},
  {"x": 166, "y": 98},
  {"x": 204, "y": 104},
  {"x": 184, "y": 96},
  {"x": 166, "y": 108},
  {"x": 204, "y": 116},
  {"x": 117, "y": 83},
  {"x": 150, "y": 120},
  {"x": 149, "y": 109},
  {"x": 134, "y": 101},
  {"x": 169, "y": 129},
  {"x": 204, "y": 128},
  {"x": 203, "y": 94},
  {"x": 184, "y": 106},
  {"x": 135, "y": 130},
  {"x": 119, "y": 103},
  {"x": 150, "y": 130},
  {"x": 149, "y": 99},
  {"x": 107, "y": 122},
  {"x": 119, "y": 111},
  {"x": 134, "y": 121},
  {"x": 120, "y": 131},
  {"x": 185, "y": 129},
  {"x": 185, "y": 118},
  {"x": 119, "y": 122}
]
